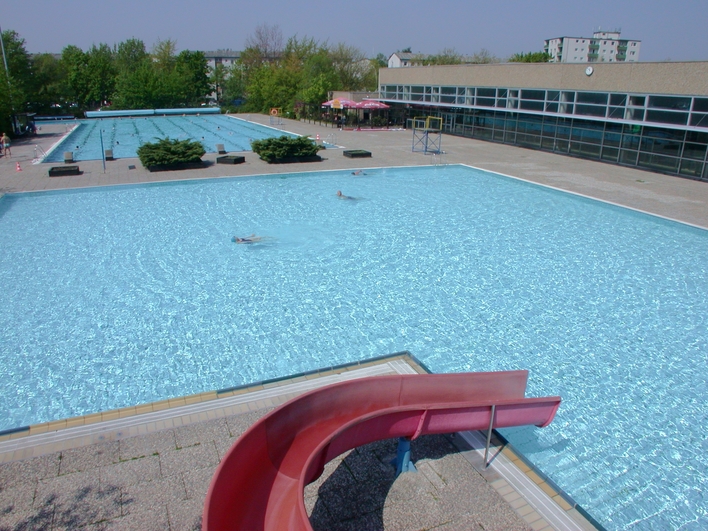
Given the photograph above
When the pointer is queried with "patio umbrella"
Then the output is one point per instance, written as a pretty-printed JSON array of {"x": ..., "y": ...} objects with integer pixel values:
[
  {"x": 371, "y": 105},
  {"x": 343, "y": 103}
]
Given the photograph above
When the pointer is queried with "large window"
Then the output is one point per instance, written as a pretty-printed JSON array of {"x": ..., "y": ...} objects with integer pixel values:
[{"x": 620, "y": 128}]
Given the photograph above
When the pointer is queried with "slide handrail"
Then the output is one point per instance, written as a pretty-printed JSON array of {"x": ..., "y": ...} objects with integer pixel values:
[{"x": 260, "y": 482}]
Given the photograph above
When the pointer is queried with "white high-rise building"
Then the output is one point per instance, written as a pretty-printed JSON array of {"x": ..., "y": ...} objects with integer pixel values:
[{"x": 603, "y": 46}]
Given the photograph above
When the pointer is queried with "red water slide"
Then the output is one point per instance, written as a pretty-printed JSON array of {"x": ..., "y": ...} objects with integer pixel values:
[{"x": 260, "y": 483}]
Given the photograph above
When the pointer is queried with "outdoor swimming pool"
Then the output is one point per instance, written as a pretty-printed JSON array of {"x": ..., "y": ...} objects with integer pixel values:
[
  {"x": 125, "y": 135},
  {"x": 124, "y": 295}
]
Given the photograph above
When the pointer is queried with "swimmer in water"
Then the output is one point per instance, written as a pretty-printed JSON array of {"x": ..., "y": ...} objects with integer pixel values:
[
  {"x": 358, "y": 172},
  {"x": 340, "y": 195},
  {"x": 248, "y": 239}
]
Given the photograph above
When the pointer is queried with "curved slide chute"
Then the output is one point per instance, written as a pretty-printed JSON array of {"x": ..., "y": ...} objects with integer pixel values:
[{"x": 259, "y": 485}]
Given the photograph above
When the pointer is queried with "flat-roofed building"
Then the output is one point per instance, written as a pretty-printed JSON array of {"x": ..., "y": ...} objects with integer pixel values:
[
  {"x": 648, "y": 115},
  {"x": 602, "y": 47}
]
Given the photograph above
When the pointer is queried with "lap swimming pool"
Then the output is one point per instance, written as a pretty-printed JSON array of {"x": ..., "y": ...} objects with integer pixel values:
[
  {"x": 130, "y": 294},
  {"x": 125, "y": 135}
]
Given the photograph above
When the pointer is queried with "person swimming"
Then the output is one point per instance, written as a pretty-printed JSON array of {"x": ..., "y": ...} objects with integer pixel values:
[
  {"x": 340, "y": 195},
  {"x": 248, "y": 239},
  {"x": 358, "y": 172}
]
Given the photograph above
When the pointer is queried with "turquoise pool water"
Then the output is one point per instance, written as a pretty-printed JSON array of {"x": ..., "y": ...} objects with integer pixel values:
[
  {"x": 125, "y": 135},
  {"x": 124, "y": 295}
]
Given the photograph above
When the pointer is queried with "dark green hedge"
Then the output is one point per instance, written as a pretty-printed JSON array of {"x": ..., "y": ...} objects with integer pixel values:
[
  {"x": 284, "y": 147},
  {"x": 166, "y": 152}
]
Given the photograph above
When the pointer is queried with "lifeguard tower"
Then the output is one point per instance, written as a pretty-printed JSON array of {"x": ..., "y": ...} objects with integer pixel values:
[{"x": 427, "y": 135}]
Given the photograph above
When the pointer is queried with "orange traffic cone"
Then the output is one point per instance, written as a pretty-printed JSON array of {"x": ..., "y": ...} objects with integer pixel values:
[
  {"x": 318, "y": 138},
  {"x": 17, "y": 166}
]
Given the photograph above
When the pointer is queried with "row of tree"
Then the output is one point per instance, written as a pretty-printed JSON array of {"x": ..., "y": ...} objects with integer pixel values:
[
  {"x": 450, "y": 56},
  {"x": 272, "y": 72}
]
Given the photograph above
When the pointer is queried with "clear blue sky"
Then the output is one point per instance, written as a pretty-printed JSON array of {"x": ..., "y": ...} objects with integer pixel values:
[{"x": 669, "y": 29}]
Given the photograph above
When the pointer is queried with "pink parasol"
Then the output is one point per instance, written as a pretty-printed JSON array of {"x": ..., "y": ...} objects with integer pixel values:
[
  {"x": 343, "y": 103},
  {"x": 371, "y": 105}
]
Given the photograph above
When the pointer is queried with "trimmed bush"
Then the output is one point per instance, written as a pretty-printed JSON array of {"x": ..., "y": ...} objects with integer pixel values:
[
  {"x": 285, "y": 148},
  {"x": 166, "y": 152}
]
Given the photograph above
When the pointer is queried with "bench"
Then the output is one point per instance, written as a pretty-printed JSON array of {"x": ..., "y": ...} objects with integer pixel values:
[
  {"x": 356, "y": 153},
  {"x": 230, "y": 159},
  {"x": 259, "y": 484},
  {"x": 61, "y": 171}
]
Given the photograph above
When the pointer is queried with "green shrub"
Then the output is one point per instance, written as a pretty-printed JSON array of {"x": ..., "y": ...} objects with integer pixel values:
[
  {"x": 284, "y": 147},
  {"x": 166, "y": 151}
]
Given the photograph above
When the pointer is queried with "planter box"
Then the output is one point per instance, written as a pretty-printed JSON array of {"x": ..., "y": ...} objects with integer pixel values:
[
  {"x": 61, "y": 171},
  {"x": 230, "y": 159},
  {"x": 356, "y": 153},
  {"x": 290, "y": 160},
  {"x": 176, "y": 167}
]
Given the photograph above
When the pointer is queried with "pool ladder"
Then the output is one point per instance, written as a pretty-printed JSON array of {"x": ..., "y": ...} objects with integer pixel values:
[
  {"x": 437, "y": 158},
  {"x": 39, "y": 154},
  {"x": 331, "y": 139}
]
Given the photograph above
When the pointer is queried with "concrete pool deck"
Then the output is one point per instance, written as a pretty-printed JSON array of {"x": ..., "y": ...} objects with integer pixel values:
[{"x": 152, "y": 473}]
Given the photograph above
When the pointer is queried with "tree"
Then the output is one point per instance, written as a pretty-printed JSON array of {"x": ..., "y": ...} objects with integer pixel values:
[
  {"x": 217, "y": 80},
  {"x": 531, "y": 57},
  {"x": 75, "y": 64},
  {"x": 484, "y": 57},
  {"x": 446, "y": 57},
  {"x": 351, "y": 66},
  {"x": 163, "y": 54},
  {"x": 380, "y": 61},
  {"x": 192, "y": 73},
  {"x": 130, "y": 54},
  {"x": 138, "y": 88},
  {"x": 101, "y": 75},
  {"x": 49, "y": 88},
  {"x": 267, "y": 41},
  {"x": 17, "y": 83}
]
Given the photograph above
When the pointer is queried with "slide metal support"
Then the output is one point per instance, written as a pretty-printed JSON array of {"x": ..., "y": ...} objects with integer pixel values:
[
  {"x": 489, "y": 437},
  {"x": 403, "y": 457}
]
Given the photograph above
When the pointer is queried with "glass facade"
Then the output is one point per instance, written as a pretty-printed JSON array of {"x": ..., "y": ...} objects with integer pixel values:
[{"x": 662, "y": 133}]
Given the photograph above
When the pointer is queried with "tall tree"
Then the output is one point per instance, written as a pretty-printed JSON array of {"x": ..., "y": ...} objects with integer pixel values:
[
  {"x": 16, "y": 83},
  {"x": 267, "y": 41},
  {"x": 193, "y": 74},
  {"x": 351, "y": 66},
  {"x": 101, "y": 75},
  {"x": 163, "y": 53},
  {"x": 75, "y": 64},
  {"x": 49, "y": 87},
  {"x": 484, "y": 56},
  {"x": 446, "y": 57},
  {"x": 130, "y": 55},
  {"x": 531, "y": 57}
]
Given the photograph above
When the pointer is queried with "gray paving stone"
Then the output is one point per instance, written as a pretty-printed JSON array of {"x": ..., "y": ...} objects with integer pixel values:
[
  {"x": 189, "y": 458},
  {"x": 185, "y": 516},
  {"x": 335, "y": 475},
  {"x": 77, "y": 500},
  {"x": 202, "y": 432},
  {"x": 147, "y": 445},
  {"x": 240, "y": 423},
  {"x": 34, "y": 520},
  {"x": 147, "y": 518},
  {"x": 420, "y": 512},
  {"x": 89, "y": 457},
  {"x": 365, "y": 465},
  {"x": 196, "y": 483},
  {"x": 29, "y": 470},
  {"x": 18, "y": 498},
  {"x": 159, "y": 491},
  {"x": 128, "y": 473},
  {"x": 223, "y": 446}
]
